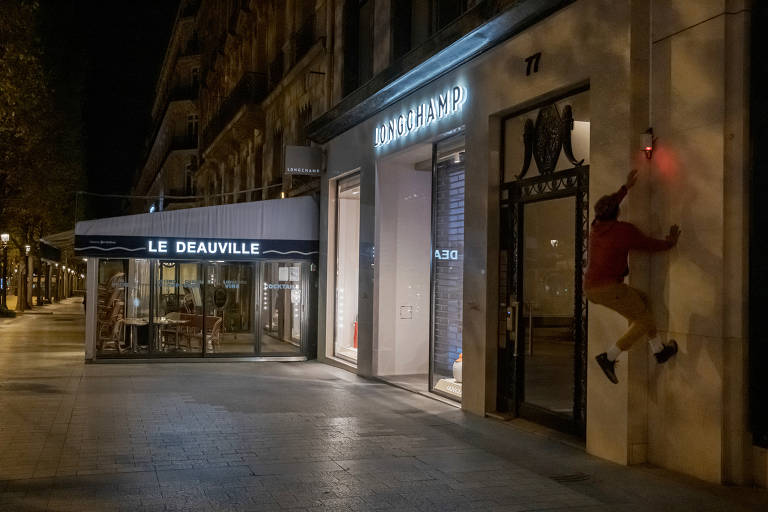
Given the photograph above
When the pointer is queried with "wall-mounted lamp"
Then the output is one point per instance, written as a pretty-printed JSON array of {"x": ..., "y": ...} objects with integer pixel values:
[
  {"x": 4, "y": 238},
  {"x": 648, "y": 140},
  {"x": 27, "y": 248}
]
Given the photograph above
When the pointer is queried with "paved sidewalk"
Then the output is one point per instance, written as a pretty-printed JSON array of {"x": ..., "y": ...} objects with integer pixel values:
[{"x": 280, "y": 436}]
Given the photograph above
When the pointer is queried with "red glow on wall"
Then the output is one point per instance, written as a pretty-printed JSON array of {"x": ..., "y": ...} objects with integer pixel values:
[{"x": 665, "y": 160}]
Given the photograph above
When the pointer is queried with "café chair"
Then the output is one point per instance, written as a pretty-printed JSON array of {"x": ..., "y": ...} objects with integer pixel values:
[{"x": 115, "y": 338}]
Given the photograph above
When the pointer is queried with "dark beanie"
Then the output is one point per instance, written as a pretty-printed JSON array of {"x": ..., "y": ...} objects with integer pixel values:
[{"x": 606, "y": 208}]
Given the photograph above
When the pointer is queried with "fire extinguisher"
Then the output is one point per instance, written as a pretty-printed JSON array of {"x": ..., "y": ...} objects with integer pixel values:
[{"x": 355, "y": 338}]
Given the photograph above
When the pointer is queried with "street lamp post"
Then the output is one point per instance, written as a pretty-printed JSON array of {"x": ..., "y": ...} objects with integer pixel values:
[
  {"x": 4, "y": 237},
  {"x": 28, "y": 276}
]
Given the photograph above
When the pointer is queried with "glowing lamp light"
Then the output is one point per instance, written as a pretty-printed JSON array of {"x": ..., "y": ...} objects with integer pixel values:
[
  {"x": 648, "y": 141},
  {"x": 4, "y": 238}
]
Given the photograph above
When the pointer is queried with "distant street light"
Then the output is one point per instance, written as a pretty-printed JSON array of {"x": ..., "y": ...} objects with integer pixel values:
[{"x": 4, "y": 237}]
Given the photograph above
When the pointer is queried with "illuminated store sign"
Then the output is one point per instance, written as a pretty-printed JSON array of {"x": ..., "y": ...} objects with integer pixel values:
[
  {"x": 202, "y": 247},
  {"x": 173, "y": 248},
  {"x": 446, "y": 254},
  {"x": 438, "y": 107},
  {"x": 279, "y": 286}
]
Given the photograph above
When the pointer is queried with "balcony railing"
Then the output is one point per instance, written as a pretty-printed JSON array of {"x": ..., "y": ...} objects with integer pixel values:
[
  {"x": 251, "y": 89},
  {"x": 191, "y": 48},
  {"x": 177, "y": 143},
  {"x": 183, "y": 92},
  {"x": 182, "y": 142}
]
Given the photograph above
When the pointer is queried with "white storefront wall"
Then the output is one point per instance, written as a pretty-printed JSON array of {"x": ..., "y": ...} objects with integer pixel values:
[{"x": 687, "y": 415}]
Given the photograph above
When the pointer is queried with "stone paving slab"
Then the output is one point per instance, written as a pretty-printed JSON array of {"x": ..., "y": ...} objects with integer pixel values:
[{"x": 281, "y": 436}]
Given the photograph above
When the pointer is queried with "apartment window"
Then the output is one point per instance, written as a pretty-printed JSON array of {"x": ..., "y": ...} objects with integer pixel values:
[
  {"x": 189, "y": 177},
  {"x": 414, "y": 21},
  {"x": 445, "y": 11},
  {"x": 192, "y": 126},
  {"x": 273, "y": 192},
  {"x": 195, "y": 78},
  {"x": 305, "y": 117},
  {"x": 402, "y": 37},
  {"x": 358, "y": 43},
  {"x": 304, "y": 29},
  {"x": 277, "y": 40},
  {"x": 347, "y": 272}
]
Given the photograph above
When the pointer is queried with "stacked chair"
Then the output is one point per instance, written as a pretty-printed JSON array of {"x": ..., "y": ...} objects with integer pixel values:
[{"x": 111, "y": 314}]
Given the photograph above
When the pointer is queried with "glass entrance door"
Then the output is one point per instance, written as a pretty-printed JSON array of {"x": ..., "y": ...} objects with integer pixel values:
[
  {"x": 283, "y": 302},
  {"x": 542, "y": 346},
  {"x": 548, "y": 299}
]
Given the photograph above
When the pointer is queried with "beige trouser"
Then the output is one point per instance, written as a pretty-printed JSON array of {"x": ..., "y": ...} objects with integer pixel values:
[{"x": 630, "y": 303}]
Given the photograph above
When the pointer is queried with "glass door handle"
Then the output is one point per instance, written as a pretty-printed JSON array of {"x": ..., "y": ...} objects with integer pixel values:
[
  {"x": 512, "y": 318},
  {"x": 530, "y": 327}
]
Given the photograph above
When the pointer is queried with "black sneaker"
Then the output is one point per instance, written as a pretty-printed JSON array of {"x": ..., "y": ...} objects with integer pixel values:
[
  {"x": 668, "y": 351},
  {"x": 609, "y": 367}
]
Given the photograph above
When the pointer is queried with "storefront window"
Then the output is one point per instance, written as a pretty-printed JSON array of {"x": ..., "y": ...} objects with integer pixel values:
[
  {"x": 229, "y": 308},
  {"x": 177, "y": 307},
  {"x": 447, "y": 268},
  {"x": 282, "y": 304},
  {"x": 150, "y": 307},
  {"x": 137, "y": 305},
  {"x": 110, "y": 315},
  {"x": 347, "y": 268}
]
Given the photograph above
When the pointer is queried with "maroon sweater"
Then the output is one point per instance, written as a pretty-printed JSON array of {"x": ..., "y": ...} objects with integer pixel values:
[{"x": 609, "y": 244}]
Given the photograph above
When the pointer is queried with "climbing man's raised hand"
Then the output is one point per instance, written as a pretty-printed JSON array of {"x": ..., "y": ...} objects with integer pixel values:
[
  {"x": 674, "y": 233},
  {"x": 631, "y": 179}
]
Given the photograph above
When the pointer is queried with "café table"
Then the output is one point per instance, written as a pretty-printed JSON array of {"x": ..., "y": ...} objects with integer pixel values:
[
  {"x": 168, "y": 322},
  {"x": 134, "y": 323}
]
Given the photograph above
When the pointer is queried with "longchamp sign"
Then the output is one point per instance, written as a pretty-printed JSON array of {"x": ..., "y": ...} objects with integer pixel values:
[
  {"x": 303, "y": 160},
  {"x": 438, "y": 107}
]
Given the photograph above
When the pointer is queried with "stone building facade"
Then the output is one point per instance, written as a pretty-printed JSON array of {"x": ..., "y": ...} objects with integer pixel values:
[
  {"x": 423, "y": 111},
  {"x": 167, "y": 177},
  {"x": 241, "y": 79},
  {"x": 612, "y": 70},
  {"x": 264, "y": 79}
]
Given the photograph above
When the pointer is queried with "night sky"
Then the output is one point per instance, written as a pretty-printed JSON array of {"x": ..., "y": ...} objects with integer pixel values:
[{"x": 106, "y": 56}]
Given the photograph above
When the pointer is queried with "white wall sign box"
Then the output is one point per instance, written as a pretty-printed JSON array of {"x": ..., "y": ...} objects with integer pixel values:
[{"x": 303, "y": 160}]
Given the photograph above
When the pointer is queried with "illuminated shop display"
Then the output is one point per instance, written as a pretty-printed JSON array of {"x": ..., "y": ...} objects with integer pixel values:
[
  {"x": 447, "y": 283},
  {"x": 347, "y": 271}
]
